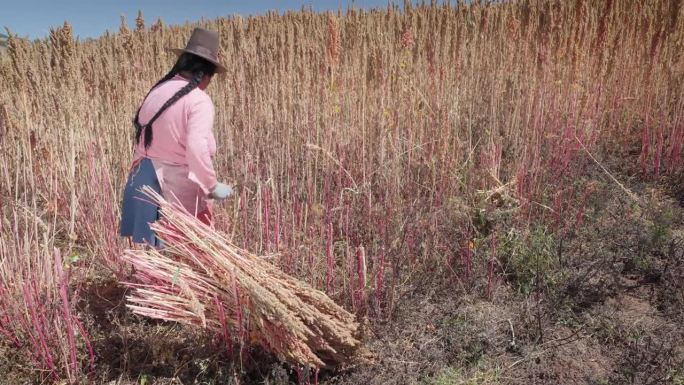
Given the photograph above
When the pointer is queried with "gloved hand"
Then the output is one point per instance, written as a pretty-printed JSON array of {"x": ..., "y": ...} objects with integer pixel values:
[{"x": 221, "y": 191}]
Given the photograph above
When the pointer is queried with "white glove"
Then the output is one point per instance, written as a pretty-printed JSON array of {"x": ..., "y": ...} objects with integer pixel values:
[{"x": 221, "y": 191}]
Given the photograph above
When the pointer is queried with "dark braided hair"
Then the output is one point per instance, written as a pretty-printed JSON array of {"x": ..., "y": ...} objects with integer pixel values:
[{"x": 186, "y": 63}]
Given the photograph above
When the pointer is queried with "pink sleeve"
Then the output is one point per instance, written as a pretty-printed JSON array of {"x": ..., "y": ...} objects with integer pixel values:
[{"x": 197, "y": 152}]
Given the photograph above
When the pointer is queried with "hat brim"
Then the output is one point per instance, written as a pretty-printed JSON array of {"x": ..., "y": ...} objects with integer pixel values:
[{"x": 179, "y": 51}]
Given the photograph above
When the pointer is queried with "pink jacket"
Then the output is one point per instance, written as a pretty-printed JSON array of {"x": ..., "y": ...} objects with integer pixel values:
[{"x": 183, "y": 144}]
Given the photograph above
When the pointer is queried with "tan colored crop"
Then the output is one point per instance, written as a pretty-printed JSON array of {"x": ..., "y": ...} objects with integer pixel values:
[
  {"x": 374, "y": 130},
  {"x": 199, "y": 269}
]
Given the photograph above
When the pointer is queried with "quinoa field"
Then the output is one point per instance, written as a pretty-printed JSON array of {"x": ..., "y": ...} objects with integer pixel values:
[{"x": 495, "y": 190}]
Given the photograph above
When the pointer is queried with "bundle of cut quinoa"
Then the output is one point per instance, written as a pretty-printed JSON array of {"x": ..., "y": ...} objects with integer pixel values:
[{"x": 200, "y": 278}]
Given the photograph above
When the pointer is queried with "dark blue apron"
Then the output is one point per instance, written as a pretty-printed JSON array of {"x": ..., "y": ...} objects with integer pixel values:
[{"x": 137, "y": 211}]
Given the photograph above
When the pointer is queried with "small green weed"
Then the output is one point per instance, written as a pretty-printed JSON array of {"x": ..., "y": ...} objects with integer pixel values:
[{"x": 529, "y": 257}]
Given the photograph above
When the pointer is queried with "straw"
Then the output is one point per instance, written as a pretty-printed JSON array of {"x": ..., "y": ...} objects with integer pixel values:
[{"x": 201, "y": 278}]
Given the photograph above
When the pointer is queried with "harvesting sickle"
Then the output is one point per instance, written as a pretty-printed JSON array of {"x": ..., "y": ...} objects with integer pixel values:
[{"x": 175, "y": 144}]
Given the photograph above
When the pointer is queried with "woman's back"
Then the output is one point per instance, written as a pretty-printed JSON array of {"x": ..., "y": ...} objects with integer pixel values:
[{"x": 189, "y": 120}]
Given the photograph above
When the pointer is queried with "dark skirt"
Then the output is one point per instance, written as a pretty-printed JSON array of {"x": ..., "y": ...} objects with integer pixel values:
[{"x": 137, "y": 212}]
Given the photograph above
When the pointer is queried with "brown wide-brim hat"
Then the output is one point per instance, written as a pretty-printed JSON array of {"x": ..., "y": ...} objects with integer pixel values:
[{"x": 205, "y": 44}]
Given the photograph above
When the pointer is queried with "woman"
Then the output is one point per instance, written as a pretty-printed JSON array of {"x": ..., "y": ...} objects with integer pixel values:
[{"x": 175, "y": 142}]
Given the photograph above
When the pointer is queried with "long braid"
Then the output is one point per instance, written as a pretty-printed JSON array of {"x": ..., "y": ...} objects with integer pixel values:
[
  {"x": 147, "y": 128},
  {"x": 136, "y": 120}
]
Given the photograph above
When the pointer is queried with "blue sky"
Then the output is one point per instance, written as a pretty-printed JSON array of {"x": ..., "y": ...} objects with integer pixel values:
[{"x": 91, "y": 18}]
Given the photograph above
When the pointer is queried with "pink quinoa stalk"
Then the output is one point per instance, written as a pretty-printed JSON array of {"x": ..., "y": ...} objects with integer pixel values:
[
  {"x": 297, "y": 213},
  {"x": 352, "y": 279},
  {"x": 490, "y": 268},
  {"x": 674, "y": 152},
  {"x": 224, "y": 325},
  {"x": 266, "y": 197},
  {"x": 40, "y": 323},
  {"x": 38, "y": 327},
  {"x": 466, "y": 257},
  {"x": 5, "y": 323},
  {"x": 676, "y": 136},
  {"x": 68, "y": 324},
  {"x": 36, "y": 349},
  {"x": 312, "y": 266},
  {"x": 245, "y": 219},
  {"x": 347, "y": 210},
  {"x": 645, "y": 142},
  {"x": 380, "y": 277},
  {"x": 276, "y": 230},
  {"x": 102, "y": 191},
  {"x": 659, "y": 147},
  {"x": 238, "y": 314},
  {"x": 330, "y": 262},
  {"x": 361, "y": 274}
]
